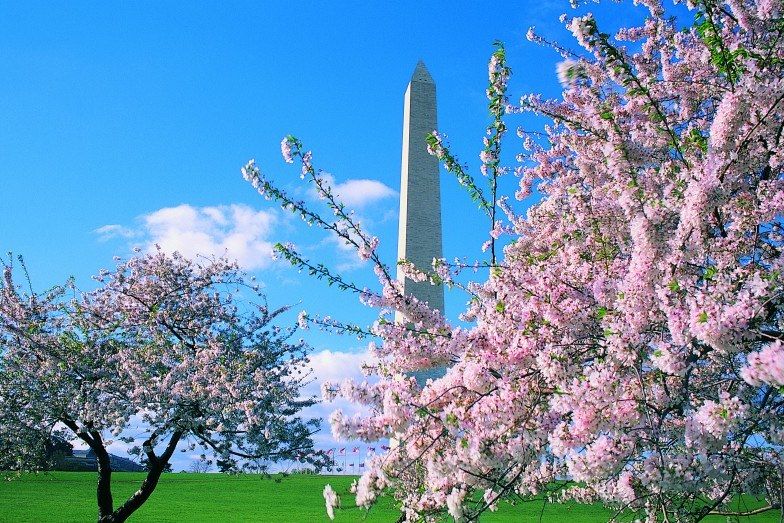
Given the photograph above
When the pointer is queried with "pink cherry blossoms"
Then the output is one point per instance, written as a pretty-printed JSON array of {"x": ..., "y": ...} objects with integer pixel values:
[
  {"x": 629, "y": 336},
  {"x": 766, "y": 366},
  {"x": 331, "y": 500}
]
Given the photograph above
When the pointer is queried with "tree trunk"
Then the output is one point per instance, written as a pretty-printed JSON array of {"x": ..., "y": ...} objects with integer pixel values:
[
  {"x": 139, "y": 497},
  {"x": 95, "y": 442},
  {"x": 157, "y": 466},
  {"x": 105, "y": 502}
]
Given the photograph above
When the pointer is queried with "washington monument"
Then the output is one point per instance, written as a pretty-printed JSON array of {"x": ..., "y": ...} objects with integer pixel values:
[{"x": 419, "y": 229}]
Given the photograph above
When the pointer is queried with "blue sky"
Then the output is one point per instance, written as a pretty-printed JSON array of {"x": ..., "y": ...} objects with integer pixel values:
[{"x": 127, "y": 124}]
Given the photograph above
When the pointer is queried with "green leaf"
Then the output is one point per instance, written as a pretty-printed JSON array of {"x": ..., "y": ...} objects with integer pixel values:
[
  {"x": 422, "y": 412},
  {"x": 500, "y": 307},
  {"x": 601, "y": 312},
  {"x": 703, "y": 317},
  {"x": 696, "y": 138}
]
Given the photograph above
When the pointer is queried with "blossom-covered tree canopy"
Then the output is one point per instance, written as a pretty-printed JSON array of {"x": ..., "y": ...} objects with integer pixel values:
[
  {"x": 630, "y": 337},
  {"x": 176, "y": 347}
]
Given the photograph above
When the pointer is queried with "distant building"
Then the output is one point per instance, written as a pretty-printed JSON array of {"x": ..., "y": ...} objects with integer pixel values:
[{"x": 84, "y": 460}]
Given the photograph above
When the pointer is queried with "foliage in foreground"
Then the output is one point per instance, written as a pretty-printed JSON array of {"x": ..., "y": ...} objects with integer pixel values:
[
  {"x": 164, "y": 343},
  {"x": 630, "y": 337}
]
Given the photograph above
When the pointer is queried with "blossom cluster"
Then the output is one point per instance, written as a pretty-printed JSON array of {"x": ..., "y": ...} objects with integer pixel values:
[
  {"x": 331, "y": 499},
  {"x": 180, "y": 346},
  {"x": 629, "y": 335},
  {"x": 766, "y": 366}
]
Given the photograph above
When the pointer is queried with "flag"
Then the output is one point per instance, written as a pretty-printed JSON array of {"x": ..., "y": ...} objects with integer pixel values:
[
  {"x": 371, "y": 449},
  {"x": 361, "y": 465},
  {"x": 342, "y": 451},
  {"x": 351, "y": 464},
  {"x": 356, "y": 449},
  {"x": 384, "y": 447},
  {"x": 329, "y": 452}
]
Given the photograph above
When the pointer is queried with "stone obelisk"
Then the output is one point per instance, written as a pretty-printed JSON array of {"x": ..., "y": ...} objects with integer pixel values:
[{"x": 419, "y": 229}]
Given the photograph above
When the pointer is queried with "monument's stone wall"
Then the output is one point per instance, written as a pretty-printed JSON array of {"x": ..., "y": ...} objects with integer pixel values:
[{"x": 419, "y": 233}]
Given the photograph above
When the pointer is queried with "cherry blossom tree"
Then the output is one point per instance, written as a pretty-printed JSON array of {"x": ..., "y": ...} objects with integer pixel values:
[
  {"x": 627, "y": 346},
  {"x": 184, "y": 351}
]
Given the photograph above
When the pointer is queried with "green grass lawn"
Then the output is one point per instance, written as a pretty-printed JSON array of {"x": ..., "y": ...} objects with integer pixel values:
[{"x": 70, "y": 497}]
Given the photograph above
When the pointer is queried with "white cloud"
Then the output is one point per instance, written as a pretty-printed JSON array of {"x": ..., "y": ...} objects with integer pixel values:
[
  {"x": 345, "y": 255},
  {"x": 107, "y": 232},
  {"x": 333, "y": 366},
  {"x": 358, "y": 193},
  {"x": 237, "y": 231}
]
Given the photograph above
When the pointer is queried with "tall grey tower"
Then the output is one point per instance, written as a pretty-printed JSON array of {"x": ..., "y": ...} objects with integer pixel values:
[{"x": 419, "y": 229}]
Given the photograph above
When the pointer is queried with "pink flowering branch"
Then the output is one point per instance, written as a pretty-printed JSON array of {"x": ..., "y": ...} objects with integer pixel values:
[{"x": 628, "y": 336}]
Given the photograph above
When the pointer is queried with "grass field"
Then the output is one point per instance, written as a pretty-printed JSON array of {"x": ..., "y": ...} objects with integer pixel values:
[{"x": 70, "y": 497}]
